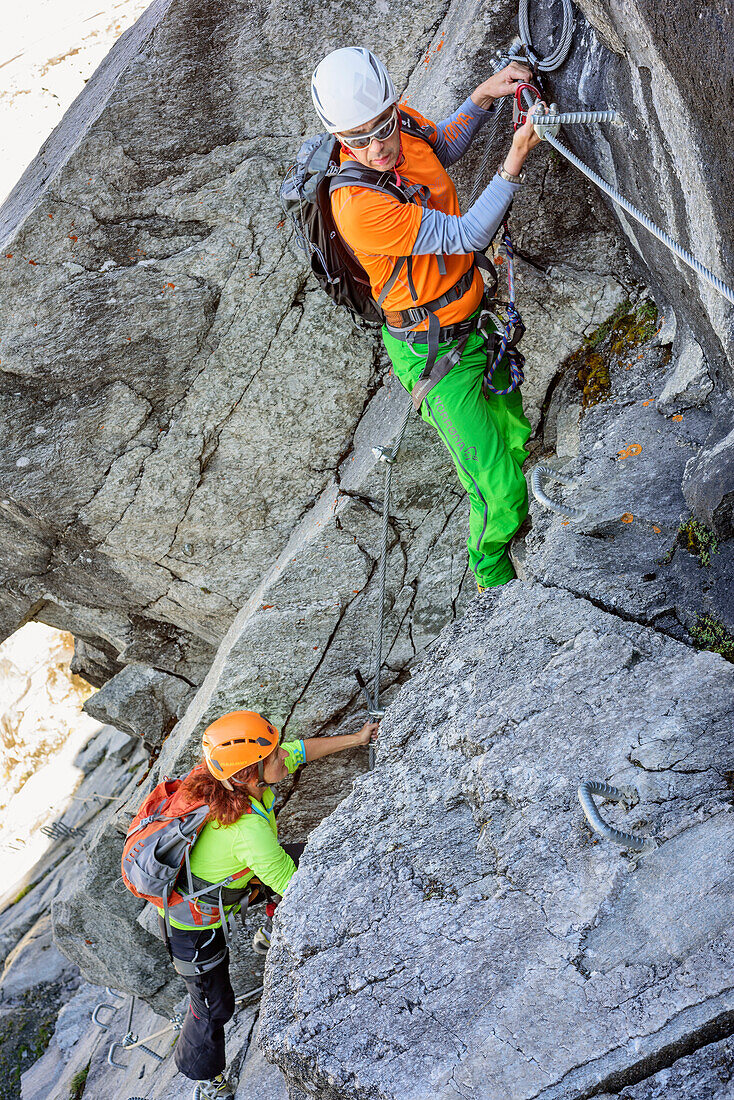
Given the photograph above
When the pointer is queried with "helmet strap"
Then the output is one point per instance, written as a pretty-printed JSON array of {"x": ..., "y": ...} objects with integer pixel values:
[{"x": 261, "y": 772}]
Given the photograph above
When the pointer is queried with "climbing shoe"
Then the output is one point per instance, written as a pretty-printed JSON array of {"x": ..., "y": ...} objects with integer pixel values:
[
  {"x": 217, "y": 1088},
  {"x": 261, "y": 939}
]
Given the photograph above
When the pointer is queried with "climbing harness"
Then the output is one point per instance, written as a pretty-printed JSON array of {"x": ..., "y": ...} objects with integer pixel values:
[
  {"x": 512, "y": 331},
  {"x": 542, "y": 498},
  {"x": 628, "y": 796}
]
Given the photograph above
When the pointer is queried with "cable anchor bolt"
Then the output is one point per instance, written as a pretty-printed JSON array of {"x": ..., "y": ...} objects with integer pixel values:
[
  {"x": 543, "y": 126},
  {"x": 384, "y": 454},
  {"x": 549, "y": 123}
]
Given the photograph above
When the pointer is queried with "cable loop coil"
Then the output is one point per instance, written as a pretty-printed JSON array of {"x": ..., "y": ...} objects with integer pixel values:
[
  {"x": 556, "y": 57},
  {"x": 542, "y": 497},
  {"x": 586, "y": 793}
]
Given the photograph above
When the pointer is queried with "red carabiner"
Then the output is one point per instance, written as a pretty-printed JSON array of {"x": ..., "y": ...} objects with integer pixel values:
[{"x": 520, "y": 112}]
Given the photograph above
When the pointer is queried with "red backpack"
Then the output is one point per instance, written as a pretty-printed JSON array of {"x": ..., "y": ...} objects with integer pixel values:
[{"x": 156, "y": 854}]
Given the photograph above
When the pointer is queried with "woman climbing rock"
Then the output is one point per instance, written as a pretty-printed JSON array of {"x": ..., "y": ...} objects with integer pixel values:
[
  {"x": 238, "y": 844},
  {"x": 419, "y": 253}
]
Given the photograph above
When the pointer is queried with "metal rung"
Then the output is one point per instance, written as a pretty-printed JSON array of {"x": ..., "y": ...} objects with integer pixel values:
[
  {"x": 572, "y": 118},
  {"x": 58, "y": 831},
  {"x": 97, "y": 1010}
]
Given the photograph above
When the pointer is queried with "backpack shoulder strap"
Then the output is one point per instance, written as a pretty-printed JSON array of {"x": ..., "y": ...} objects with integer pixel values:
[
  {"x": 411, "y": 126},
  {"x": 357, "y": 175}
]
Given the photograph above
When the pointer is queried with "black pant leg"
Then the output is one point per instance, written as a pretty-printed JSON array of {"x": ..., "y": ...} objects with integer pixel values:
[
  {"x": 200, "y": 1052},
  {"x": 295, "y": 851}
]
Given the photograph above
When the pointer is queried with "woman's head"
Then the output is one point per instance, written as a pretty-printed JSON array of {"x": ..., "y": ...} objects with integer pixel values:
[
  {"x": 235, "y": 744},
  {"x": 240, "y": 756}
]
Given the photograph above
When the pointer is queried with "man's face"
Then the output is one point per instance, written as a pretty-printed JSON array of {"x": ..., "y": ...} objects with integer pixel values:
[{"x": 380, "y": 155}]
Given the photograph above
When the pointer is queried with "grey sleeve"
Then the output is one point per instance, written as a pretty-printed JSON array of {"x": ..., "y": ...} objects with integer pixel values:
[
  {"x": 448, "y": 234},
  {"x": 455, "y": 133}
]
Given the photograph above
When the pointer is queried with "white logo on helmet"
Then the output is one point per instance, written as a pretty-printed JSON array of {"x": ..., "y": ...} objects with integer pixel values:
[{"x": 366, "y": 92}]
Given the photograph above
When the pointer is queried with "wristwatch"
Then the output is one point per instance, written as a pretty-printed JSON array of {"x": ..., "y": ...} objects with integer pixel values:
[{"x": 509, "y": 176}]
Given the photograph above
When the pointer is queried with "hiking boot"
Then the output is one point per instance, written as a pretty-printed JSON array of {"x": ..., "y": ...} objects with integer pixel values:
[
  {"x": 261, "y": 939},
  {"x": 217, "y": 1088}
]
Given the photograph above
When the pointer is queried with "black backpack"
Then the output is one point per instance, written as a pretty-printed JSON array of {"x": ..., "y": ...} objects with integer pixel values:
[{"x": 305, "y": 196}]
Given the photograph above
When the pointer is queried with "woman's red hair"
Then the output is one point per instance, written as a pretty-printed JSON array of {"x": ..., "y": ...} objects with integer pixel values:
[{"x": 225, "y": 807}]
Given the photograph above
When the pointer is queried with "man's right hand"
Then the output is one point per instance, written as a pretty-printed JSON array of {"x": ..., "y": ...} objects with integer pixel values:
[
  {"x": 525, "y": 137},
  {"x": 367, "y": 733}
]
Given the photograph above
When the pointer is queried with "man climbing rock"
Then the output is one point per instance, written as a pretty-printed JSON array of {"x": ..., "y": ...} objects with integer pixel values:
[
  {"x": 420, "y": 259},
  {"x": 238, "y": 845}
]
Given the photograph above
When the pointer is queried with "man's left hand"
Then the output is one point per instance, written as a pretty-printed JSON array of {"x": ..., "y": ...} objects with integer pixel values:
[{"x": 502, "y": 83}]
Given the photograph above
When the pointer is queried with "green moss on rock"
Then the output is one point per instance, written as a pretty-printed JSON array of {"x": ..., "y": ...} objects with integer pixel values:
[
  {"x": 709, "y": 633},
  {"x": 593, "y": 374},
  {"x": 697, "y": 539},
  {"x": 25, "y": 1032},
  {"x": 78, "y": 1083},
  {"x": 627, "y": 328}
]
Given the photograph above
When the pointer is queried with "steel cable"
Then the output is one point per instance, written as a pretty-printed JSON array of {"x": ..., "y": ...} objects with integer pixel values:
[
  {"x": 557, "y": 56},
  {"x": 643, "y": 219},
  {"x": 388, "y": 456},
  {"x": 542, "y": 498}
]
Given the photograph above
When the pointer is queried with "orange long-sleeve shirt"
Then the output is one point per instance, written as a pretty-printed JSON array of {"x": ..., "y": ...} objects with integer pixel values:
[{"x": 380, "y": 230}]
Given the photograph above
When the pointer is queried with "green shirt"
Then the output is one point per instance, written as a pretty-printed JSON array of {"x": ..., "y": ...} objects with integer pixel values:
[{"x": 252, "y": 842}]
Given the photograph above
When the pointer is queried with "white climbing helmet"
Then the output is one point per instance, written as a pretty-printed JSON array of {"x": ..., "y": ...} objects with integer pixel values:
[{"x": 350, "y": 87}]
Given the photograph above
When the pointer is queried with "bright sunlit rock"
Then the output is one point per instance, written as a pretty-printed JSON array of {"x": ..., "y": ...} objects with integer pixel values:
[{"x": 48, "y": 51}]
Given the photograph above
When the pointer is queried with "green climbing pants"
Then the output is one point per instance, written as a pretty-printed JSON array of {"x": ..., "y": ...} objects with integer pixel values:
[{"x": 486, "y": 438}]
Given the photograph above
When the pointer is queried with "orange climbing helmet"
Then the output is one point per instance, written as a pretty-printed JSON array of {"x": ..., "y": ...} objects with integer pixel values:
[{"x": 235, "y": 741}]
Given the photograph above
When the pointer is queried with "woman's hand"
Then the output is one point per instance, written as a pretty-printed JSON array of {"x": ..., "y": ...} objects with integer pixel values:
[
  {"x": 502, "y": 83},
  {"x": 367, "y": 733}
]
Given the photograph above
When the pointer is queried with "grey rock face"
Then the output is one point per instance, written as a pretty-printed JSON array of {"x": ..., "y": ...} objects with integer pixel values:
[
  {"x": 708, "y": 485},
  {"x": 216, "y": 395},
  {"x": 478, "y": 917},
  {"x": 690, "y": 383},
  {"x": 188, "y": 486},
  {"x": 142, "y": 701},
  {"x": 627, "y": 463},
  {"x": 707, "y": 1075},
  {"x": 651, "y": 78}
]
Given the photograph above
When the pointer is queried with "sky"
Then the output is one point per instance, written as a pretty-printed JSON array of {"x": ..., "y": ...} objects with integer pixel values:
[{"x": 48, "y": 50}]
